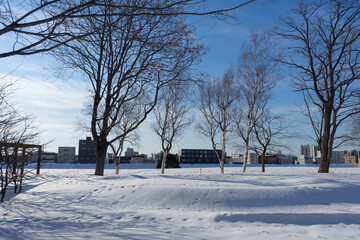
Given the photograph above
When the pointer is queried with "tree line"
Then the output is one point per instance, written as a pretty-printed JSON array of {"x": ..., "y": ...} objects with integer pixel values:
[{"x": 141, "y": 56}]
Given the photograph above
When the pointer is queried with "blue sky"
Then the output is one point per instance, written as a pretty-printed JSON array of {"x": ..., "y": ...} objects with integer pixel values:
[{"x": 57, "y": 103}]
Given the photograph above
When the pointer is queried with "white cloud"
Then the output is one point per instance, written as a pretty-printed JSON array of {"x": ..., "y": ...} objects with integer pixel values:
[{"x": 56, "y": 106}]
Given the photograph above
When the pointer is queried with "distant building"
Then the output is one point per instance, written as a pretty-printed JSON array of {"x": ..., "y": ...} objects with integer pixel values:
[
  {"x": 141, "y": 159},
  {"x": 156, "y": 156},
  {"x": 351, "y": 159},
  {"x": 125, "y": 160},
  {"x": 87, "y": 152},
  {"x": 304, "y": 150},
  {"x": 313, "y": 150},
  {"x": 236, "y": 159},
  {"x": 351, "y": 156},
  {"x": 284, "y": 159},
  {"x": 277, "y": 158},
  {"x": 302, "y": 159},
  {"x": 309, "y": 150},
  {"x": 66, "y": 155},
  {"x": 239, "y": 159},
  {"x": 337, "y": 157},
  {"x": 196, "y": 156},
  {"x": 130, "y": 152},
  {"x": 228, "y": 159},
  {"x": 46, "y": 157},
  {"x": 293, "y": 159},
  {"x": 109, "y": 158},
  {"x": 49, "y": 157},
  {"x": 270, "y": 159},
  {"x": 252, "y": 158}
]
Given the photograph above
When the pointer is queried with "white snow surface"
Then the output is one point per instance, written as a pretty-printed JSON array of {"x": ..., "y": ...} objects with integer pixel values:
[{"x": 285, "y": 202}]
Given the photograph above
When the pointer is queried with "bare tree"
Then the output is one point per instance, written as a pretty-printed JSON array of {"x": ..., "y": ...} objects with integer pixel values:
[
  {"x": 15, "y": 131},
  {"x": 171, "y": 117},
  {"x": 355, "y": 126},
  {"x": 325, "y": 52},
  {"x": 258, "y": 73},
  {"x": 127, "y": 57},
  {"x": 124, "y": 130},
  {"x": 215, "y": 103},
  {"x": 271, "y": 133},
  {"x": 35, "y": 26}
]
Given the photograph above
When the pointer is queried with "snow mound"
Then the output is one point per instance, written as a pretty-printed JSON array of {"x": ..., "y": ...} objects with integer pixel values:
[{"x": 283, "y": 203}]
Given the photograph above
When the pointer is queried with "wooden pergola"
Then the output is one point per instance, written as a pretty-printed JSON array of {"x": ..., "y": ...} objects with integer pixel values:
[{"x": 23, "y": 146}]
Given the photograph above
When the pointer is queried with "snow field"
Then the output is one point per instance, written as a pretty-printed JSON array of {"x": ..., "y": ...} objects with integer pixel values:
[{"x": 283, "y": 203}]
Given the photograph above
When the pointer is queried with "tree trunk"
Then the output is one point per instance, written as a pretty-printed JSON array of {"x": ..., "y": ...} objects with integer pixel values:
[
  {"x": 163, "y": 162},
  {"x": 222, "y": 166},
  {"x": 4, "y": 182},
  {"x": 263, "y": 162},
  {"x": 117, "y": 163},
  {"x": 324, "y": 144},
  {"x": 245, "y": 155},
  {"x": 3, "y": 195},
  {"x": 223, "y": 153},
  {"x": 101, "y": 149},
  {"x": 14, "y": 170}
]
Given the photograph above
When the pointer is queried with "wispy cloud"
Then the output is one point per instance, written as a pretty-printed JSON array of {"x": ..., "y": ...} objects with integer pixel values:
[{"x": 56, "y": 106}]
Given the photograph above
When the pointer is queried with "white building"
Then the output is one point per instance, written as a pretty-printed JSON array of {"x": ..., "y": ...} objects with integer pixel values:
[
  {"x": 236, "y": 159},
  {"x": 313, "y": 150},
  {"x": 252, "y": 158},
  {"x": 309, "y": 150},
  {"x": 66, "y": 155},
  {"x": 304, "y": 150},
  {"x": 302, "y": 159}
]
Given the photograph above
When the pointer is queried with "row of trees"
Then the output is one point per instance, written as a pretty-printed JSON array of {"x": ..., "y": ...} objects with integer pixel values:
[
  {"x": 323, "y": 55},
  {"x": 237, "y": 103},
  {"x": 136, "y": 53}
]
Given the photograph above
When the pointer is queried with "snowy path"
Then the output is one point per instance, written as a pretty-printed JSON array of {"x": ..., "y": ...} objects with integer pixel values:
[{"x": 284, "y": 203}]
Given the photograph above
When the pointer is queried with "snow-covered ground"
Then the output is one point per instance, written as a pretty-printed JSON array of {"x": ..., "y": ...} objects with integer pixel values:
[{"x": 291, "y": 202}]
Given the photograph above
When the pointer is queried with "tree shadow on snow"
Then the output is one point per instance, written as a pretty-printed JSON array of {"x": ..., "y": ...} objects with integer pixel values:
[
  {"x": 303, "y": 219},
  {"x": 249, "y": 193},
  {"x": 27, "y": 185}
]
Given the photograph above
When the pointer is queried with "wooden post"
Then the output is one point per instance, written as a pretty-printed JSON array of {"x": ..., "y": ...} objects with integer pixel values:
[
  {"x": 22, "y": 167},
  {"x": 38, "y": 161},
  {"x": 14, "y": 173}
]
